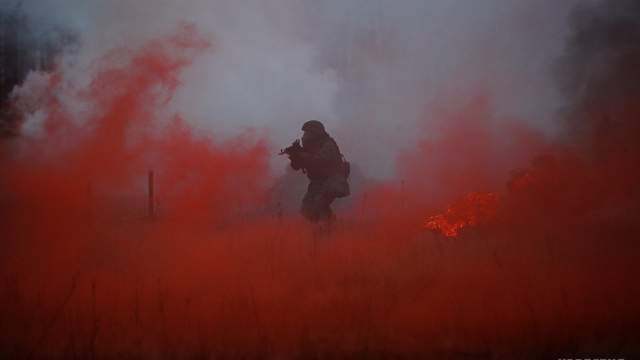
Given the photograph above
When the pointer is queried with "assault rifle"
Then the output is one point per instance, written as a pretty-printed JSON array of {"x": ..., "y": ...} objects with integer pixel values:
[{"x": 294, "y": 148}]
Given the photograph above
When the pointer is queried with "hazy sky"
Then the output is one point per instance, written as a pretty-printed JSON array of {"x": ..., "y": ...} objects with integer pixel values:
[{"x": 370, "y": 69}]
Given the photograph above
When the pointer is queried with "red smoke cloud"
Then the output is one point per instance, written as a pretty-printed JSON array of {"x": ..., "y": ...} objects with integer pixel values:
[
  {"x": 74, "y": 201},
  {"x": 467, "y": 147},
  {"x": 215, "y": 273}
]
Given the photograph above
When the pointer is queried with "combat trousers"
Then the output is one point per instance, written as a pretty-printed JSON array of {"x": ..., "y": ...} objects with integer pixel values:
[{"x": 316, "y": 204}]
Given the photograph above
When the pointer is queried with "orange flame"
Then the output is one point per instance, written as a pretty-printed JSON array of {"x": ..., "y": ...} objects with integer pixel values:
[{"x": 471, "y": 210}]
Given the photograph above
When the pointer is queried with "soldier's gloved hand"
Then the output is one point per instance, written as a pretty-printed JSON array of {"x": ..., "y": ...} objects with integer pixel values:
[
  {"x": 302, "y": 158},
  {"x": 295, "y": 165},
  {"x": 296, "y": 160}
]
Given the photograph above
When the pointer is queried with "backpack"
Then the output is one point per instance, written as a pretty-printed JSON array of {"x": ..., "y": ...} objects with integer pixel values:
[
  {"x": 346, "y": 168},
  {"x": 339, "y": 183}
]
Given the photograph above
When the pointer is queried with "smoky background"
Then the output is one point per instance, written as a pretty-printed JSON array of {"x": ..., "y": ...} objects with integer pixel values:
[{"x": 373, "y": 71}]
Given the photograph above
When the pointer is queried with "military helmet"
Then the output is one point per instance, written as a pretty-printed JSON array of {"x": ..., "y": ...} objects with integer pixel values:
[{"x": 313, "y": 126}]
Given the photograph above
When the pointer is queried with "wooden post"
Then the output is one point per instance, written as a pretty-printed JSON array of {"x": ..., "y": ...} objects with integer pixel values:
[
  {"x": 150, "y": 205},
  {"x": 279, "y": 213},
  {"x": 90, "y": 202}
]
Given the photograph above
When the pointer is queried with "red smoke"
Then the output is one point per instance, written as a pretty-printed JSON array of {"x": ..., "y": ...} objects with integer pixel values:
[
  {"x": 467, "y": 148},
  {"x": 87, "y": 274}
]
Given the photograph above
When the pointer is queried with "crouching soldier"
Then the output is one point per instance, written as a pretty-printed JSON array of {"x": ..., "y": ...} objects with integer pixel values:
[{"x": 319, "y": 157}]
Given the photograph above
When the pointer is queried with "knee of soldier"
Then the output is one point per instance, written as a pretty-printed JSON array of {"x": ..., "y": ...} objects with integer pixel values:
[
  {"x": 308, "y": 202},
  {"x": 309, "y": 212}
]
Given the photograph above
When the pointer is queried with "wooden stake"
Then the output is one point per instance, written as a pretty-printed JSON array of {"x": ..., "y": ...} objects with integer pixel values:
[{"x": 150, "y": 205}]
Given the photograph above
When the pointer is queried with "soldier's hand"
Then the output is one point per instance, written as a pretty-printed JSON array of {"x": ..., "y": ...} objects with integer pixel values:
[{"x": 301, "y": 156}]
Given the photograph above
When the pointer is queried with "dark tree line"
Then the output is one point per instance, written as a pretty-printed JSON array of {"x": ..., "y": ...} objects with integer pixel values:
[{"x": 26, "y": 44}]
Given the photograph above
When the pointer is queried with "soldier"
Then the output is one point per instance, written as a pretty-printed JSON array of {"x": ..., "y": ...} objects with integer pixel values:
[{"x": 320, "y": 158}]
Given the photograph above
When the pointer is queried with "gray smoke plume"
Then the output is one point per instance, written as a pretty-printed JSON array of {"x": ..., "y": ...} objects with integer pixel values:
[{"x": 371, "y": 70}]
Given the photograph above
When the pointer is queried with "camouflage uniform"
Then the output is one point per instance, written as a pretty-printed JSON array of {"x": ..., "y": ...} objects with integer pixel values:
[{"x": 322, "y": 161}]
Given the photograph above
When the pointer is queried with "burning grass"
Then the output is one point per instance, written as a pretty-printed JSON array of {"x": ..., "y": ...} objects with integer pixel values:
[{"x": 469, "y": 211}]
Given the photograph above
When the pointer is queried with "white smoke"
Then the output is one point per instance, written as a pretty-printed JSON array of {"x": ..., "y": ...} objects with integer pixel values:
[{"x": 370, "y": 69}]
